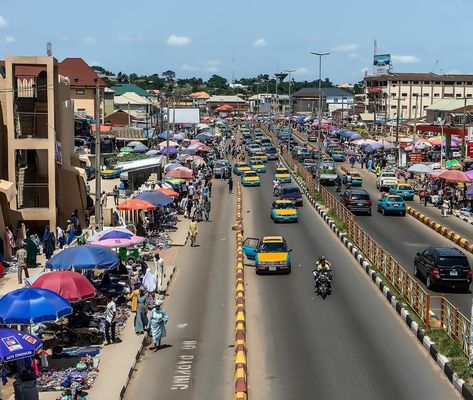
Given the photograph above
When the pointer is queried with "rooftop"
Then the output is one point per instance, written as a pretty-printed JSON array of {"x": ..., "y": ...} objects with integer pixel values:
[
  {"x": 122, "y": 88},
  {"x": 132, "y": 98},
  {"x": 226, "y": 99},
  {"x": 327, "y": 92},
  {"x": 79, "y": 73},
  {"x": 450, "y": 105},
  {"x": 421, "y": 76}
]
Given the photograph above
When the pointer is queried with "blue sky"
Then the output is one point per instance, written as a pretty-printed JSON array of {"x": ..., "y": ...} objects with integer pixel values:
[{"x": 261, "y": 36}]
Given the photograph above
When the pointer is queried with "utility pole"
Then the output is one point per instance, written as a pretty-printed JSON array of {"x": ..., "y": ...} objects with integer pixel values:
[
  {"x": 129, "y": 113},
  {"x": 319, "y": 149},
  {"x": 167, "y": 132},
  {"x": 98, "y": 177},
  {"x": 464, "y": 131},
  {"x": 397, "y": 130},
  {"x": 415, "y": 123},
  {"x": 289, "y": 108}
]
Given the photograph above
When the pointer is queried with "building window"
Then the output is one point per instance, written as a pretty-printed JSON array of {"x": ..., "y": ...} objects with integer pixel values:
[
  {"x": 80, "y": 92},
  {"x": 394, "y": 82},
  {"x": 459, "y": 95},
  {"x": 426, "y": 82},
  {"x": 403, "y": 94},
  {"x": 459, "y": 83},
  {"x": 426, "y": 95},
  {"x": 448, "y": 95},
  {"x": 468, "y": 95},
  {"x": 415, "y": 82},
  {"x": 335, "y": 99},
  {"x": 393, "y": 94},
  {"x": 81, "y": 109},
  {"x": 404, "y": 107},
  {"x": 405, "y": 82},
  {"x": 469, "y": 83},
  {"x": 425, "y": 107},
  {"x": 438, "y": 82},
  {"x": 393, "y": 107},
  {"x": 436, "y": 94},
  {"x": 448, "y": 83}
]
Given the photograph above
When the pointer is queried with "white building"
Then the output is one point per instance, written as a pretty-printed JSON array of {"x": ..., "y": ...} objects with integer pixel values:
[{"x": 136, "y": 105}]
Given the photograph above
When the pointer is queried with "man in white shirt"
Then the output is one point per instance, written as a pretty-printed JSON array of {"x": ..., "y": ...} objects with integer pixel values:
[{"x": 110, "y": 320}]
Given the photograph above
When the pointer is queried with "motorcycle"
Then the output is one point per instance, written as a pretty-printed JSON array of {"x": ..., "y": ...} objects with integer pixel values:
[
  {"x": 324, "y": 285},
  {"x": 338, "y": 187},
  {"x": 276, "y": 191}
]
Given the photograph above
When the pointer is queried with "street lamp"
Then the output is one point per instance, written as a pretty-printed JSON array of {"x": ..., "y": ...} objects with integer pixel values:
[
  {"x": 289, "y": 71},
  {"x": 441, "y": 122},
  {"x": 320, "y": 55}
]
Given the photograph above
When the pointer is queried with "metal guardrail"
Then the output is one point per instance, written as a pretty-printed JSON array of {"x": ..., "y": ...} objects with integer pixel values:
[{"x": 451, "y": 320}]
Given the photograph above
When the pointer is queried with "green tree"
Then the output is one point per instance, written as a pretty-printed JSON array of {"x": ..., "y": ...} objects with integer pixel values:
[{"x": 217, "y": 82}]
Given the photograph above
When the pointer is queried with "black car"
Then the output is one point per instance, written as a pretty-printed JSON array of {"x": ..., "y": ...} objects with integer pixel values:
[
  {"x": 443, "y": 266},
  {"x": 271, "y": 152},
  {"x": 291, "y": 193},
  {"x": 357, "y": 200}
]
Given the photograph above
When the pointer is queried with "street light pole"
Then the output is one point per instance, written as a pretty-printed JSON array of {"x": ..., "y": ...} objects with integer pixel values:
[
  {"x": 98, "y": 176},
  {"x": 319, "y": 150},
  {"x": 289, "y": 109}
]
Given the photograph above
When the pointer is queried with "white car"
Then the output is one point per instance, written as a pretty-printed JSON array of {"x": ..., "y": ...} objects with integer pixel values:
[{"x": 386, "y": 180}]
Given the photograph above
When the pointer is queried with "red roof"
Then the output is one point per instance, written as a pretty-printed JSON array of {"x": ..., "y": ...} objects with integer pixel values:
[
  {"x": 26, "y": 70},
  {"x": 79, "y": 73}
]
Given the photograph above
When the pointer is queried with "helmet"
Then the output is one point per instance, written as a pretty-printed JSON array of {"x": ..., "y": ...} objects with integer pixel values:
[{"x": 322, "y": 258}]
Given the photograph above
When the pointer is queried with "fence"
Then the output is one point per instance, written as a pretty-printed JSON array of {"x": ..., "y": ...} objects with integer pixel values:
[{"x": 454, "y": 323}]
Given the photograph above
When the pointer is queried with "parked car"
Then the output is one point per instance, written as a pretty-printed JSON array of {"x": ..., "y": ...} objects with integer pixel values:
[
  {"x": 291, "y": 193},
  {"x": 443, "y": 266},
  {"x": 357, "y": 200},
  {"x": 386, "y": 180},
  {"x": 404, "y": 190},
  {"x": 111, "y": 173},
  {"x": 222, "y": 169},
  {"x": 391, "y": 204}
]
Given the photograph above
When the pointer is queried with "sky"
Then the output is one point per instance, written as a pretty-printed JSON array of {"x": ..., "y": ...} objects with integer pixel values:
[{"x": 244, "y": 38}]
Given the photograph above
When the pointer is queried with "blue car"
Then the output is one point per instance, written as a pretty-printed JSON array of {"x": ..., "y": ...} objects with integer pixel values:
[
  {"x": 391, "y": 204},
  {"x": 404, "y": 190}
]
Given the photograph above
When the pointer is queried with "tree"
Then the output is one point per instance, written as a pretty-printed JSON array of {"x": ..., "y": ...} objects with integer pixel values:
[
  {"x": 169, "y": 75},
  {"x": 217, "y": 82},
  {"x": 133, "y": 77}
]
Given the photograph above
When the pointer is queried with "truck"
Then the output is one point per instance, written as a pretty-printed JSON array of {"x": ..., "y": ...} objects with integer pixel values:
[
  {"x": 386, "y": 180},
  {"x": 328, "y": 172}
]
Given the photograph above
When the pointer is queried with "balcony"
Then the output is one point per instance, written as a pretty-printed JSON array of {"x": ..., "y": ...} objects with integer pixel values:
[
  {"x": 31, "y": 125},
  {"x": 32, "y": 195}
]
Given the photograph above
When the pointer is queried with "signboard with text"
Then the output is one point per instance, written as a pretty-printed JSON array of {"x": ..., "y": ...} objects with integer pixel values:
[
  {"x": 382, "y": 64},
  {"x": 415, "y": 157}
]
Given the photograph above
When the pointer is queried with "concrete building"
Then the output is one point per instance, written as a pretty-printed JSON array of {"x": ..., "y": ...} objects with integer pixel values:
[
  {"x": 265, "y": 103},
  {"x": 134, "y": 104},
  {"x": 305, "y": 100},
  {"x": 41, "y": 182},
  {"x": 238, "y": 104},
  {"x": 409, "y": 94},
  {"x": 82, "y": 86}
]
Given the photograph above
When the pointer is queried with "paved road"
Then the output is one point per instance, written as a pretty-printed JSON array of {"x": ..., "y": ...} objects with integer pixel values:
[
  {"x": 403, "y": 237},
  {"x": 199, "y": 365},
  {"x": 352, "y": 345}
]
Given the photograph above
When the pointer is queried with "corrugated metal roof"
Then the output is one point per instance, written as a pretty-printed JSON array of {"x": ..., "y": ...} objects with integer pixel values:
[
  {"x": 122, "y": 88},
  {"x": 225, "y": 99},
  {"x": 132, "y": 98},
  {"x": 449, "y": 104}
]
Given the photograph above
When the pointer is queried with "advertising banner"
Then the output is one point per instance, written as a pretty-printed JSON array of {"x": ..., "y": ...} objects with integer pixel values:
[{"x": 382, "y": 64}]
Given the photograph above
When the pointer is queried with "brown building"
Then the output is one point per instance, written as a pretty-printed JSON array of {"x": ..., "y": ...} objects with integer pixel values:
[
  {"x": 119, "y": 118},
  {"x": 82, "y": 80},
  {"x": 41, "y": 183}
]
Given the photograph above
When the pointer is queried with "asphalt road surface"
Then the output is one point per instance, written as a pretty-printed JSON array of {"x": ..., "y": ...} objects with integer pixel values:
[
  {"x": 201, "y": 304},
  {"x": 403, "y": 237},
  {"x": 350, "y": 346}
]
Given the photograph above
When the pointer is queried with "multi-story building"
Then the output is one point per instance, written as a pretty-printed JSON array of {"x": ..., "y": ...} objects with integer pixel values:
[
  {"x": 82, "y": 84},
  {"x": 305, "y": 100},
  {"x": 407, "y": 95},
  {"x": 40, "y": 179}
]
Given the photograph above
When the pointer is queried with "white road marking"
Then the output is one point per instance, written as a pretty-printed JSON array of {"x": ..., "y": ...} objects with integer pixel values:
[{"x": 180, "y": 326}]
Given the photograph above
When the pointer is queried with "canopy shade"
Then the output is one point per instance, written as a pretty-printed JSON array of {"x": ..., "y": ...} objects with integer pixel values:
[
  {"x": 16, "y": 345},
  {"x": 156, "y": 198},
  {"x": 454, "y": 176},
  {"x": 84, "y": 257},
  {"x": 420, "y": 168},
  {"x": 68, "y": 284},
  {"x": 135, "y": 204}
]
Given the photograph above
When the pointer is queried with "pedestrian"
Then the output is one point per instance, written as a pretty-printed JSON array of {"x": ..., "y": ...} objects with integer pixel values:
[
  {"x": 61, "y": 237},
  {"x": 230, "y": 184},
  {"x": 159, "y": 272},
  {"x": 426, "y": 198},
  {"x": 49, "y": 242},
  {"x": 157, "y": 324},
  {"x": 210, "y": 188},
  {"x": 445, "y": 207},
  {"x": 370, "y": 165},
  {"x": 110, "y": 320},
  {"x": 207, "y": 207},
  {"x": 189, "y": 205},
  {"x": 116, "y": 195},
  {"x": 141, "y": 317},
  {"x": 32, "y": 252},
  {"x": 103, "y": 200},
  {"x": 21, "y": 256},
  {"x": 193, "y": 231},
  {"x": 352, "y": 161}
]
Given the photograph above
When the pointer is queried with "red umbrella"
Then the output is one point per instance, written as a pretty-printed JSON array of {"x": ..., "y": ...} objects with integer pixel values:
[
  {"x": 454, "y": 176},
  {"x": 204, "y": 148},
  {"x": 135, "y": 204},
  {"x": 180, "y": 173},
  {"x": 168, "y": 192},
  {"x": 68, "y": 284}
]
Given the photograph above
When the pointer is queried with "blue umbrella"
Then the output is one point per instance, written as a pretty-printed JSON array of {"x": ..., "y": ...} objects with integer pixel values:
[
  {"x": 32, "y": 305},
  {"x": 141, "y": 148},
  {"x": 15, "y": 345},
  {"x": 168, "y": 150},
  {"x": 84, "y": 257},
  {"x": 155, "y": 198},
  {"x": 152, "y": 152},
  {"x": 373, "y": 147},
  {"x": 178, "y": 137},
  {"x": 203, "y": 137},
  {"x": 171, "y": 166},
  {"x": 166, "y": 134}
]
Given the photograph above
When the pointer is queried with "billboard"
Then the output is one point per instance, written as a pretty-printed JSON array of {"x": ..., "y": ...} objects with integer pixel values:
[
  {"x": 184, "y": 115},
  {"x": 381, "y": 64}
]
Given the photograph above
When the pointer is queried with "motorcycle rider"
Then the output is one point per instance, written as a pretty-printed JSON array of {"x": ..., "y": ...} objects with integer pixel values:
[
  {"x": 348, "y": 180},
  {"x": 322, "y": 266},
  {"x": 276, "y": 187},
  {"x": 338, "y": 183}
]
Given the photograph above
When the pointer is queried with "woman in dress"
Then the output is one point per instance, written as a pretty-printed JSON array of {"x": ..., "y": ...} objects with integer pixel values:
[{"x": 157, "y": 324}]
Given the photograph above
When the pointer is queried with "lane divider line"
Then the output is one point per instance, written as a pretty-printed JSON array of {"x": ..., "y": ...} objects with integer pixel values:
[
  {"x": 459, "y": 384},
  {"x": 241, "y": 360}
]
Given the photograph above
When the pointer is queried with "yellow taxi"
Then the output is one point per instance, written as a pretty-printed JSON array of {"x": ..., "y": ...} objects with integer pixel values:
[
  {"x": 257, "y": 165},
  {"x": 284, "y": 211},
  {"x": 270, "y": 254},
  {"x": 261, "y": 156},
  {"x": 240, "y": 167},
  {"x": 250, "y": 178},
  {"x": 282, "y": 175}
]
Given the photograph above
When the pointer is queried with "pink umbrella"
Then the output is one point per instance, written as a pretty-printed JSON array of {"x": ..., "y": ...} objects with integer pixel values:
[
  {"x": 454, "y": 176},
  {"x": 120, "y": 242},
  {"x": 181, "y": 173},
  {"x": 469, "y": 174},
  {"x": 437, "y": 172}
]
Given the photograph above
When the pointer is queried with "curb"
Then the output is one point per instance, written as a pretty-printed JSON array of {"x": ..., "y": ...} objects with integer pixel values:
[
  {"x": 458, "y": 215},
  {"x": 140, "y": 350},
  {"x": 241, "y": 365},
  {"x": 451, "y": 235},
  {"x": 442, "y": 361}
]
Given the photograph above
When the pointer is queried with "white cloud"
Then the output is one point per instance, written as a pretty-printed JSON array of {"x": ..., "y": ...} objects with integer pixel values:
[
  {"x": 3, "y": 22},
  {"x": 88, "y": 40},
  {"x": 213, "y": 63},
  {"x": 302, "y": 71},
  {"x": 352, "y": 55},
  {"x": 345, "y": 48},
  {"x": 187, "y": 67},
  {"x": 65, "y": 38},
  {"x": 121, "y": 37},
  {"x": 405, "y": 59},
  {"x": 259, "y": 43},
  {"x": 9, "y": 39},
  {"x": 198, "y": 68},
  {"x": 178, "y": 41}
]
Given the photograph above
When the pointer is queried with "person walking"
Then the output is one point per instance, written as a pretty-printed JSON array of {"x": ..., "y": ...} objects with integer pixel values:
[
  {"x": 210, "y": 187},
  {"x": 193, "y": 231},
  {"x": 21, "y": 256},
  {"x": 159, "y": 272},
  {"x": 103, "y": 200},
  {"x": 207, "y": 207},
  {"x": 141, "y": 317},
  {"x": 230, "y": 184},
  {"x": 157, "y": 324},
  {"x": 116, "y": 195},
  {"x": 110, "y": 320}
]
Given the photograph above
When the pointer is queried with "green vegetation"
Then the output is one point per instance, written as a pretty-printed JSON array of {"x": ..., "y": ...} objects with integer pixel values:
[{"x": 337, "y": 221}]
